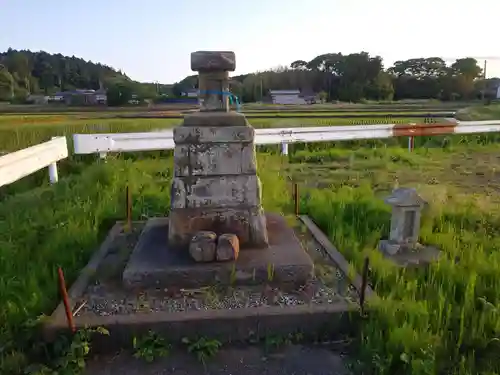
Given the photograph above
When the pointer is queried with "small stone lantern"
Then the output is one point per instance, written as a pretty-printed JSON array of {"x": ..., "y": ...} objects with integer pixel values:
[{"x": 405, "y": 221}]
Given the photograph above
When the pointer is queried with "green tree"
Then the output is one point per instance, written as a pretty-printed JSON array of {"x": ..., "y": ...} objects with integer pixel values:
[
  {"x": 465, "y": 70},
  {"x": 119, "y": 94},
  {"x": 381, "y": 88},
  {"x": 467, "y": 67},
  {"x": 6, "y": 84},
  {"x": 299, "y": 64}
]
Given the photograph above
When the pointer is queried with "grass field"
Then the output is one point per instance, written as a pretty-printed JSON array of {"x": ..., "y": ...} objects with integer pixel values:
[
  {"x": 17, "y": 133},
  {"x": 444, "y": 320},
  {"x": 422, "y": 318},
  {"x": 417, "y": 105},
  {"x": 441, "y": 320}
]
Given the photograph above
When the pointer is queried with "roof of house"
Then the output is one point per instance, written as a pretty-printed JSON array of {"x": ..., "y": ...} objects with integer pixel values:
[
  {"x": 284, "y": 92},
  {"x": 307, "y": 92},
  {"x": 79, "y": 92}
]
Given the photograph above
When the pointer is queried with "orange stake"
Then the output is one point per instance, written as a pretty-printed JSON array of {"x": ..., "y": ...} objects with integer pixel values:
[{"x": 64, "y": 294}]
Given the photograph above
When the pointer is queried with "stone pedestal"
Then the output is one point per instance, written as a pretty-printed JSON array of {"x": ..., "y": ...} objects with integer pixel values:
[
  {"x": 153, "y": 263},
  {"x": 215, "y": 185}
]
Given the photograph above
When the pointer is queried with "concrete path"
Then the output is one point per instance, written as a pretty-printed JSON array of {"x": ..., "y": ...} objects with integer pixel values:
[{"x": 292, "y": 360}]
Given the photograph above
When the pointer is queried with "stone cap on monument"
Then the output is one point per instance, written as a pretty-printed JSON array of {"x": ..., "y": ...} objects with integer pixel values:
[
  {"x": 213, "y": 61},
  {"x": 405, "y": 197}
]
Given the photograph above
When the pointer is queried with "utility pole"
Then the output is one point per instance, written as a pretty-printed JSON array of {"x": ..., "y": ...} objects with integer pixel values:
[{"x": 484, "y": 70}]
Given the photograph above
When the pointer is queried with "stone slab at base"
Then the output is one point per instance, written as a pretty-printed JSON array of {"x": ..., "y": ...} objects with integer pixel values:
[
  {"x": 416, "y": 256},
  {"x": 154, "y": 264}
]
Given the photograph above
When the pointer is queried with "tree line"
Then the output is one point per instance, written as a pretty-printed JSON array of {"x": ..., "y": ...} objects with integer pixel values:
[
  {"x": 335, "y": 76},
  {"x": 359, "y": 76},
  {"x": 25, "y": 72}
]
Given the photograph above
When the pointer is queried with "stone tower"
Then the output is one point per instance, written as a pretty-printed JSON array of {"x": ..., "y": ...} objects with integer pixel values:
[{"x": 215, "y": 185}]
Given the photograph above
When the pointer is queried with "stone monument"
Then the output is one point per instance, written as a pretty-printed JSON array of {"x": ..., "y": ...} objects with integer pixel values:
[
  {"x": 215, "y": 185},
  {"x": 217, "y": 230},
  {"x": 403, "y": 245}
]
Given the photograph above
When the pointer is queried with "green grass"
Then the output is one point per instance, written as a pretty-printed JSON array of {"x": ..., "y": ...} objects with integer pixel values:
[
  {"x": 61, "y": 225},
  {"x": 485, "y": 112},
  {"x": 408, "y": 113},
  {"x": 15, "y": 136},
  {"x": 444, "y": 320},
  {"x": 441, "y": 320}
]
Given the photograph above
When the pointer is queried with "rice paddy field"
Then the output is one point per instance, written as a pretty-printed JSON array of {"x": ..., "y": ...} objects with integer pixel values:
[{"x": 444, "y": 319}]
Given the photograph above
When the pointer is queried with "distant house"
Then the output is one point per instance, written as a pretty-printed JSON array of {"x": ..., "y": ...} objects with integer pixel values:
[
  {"x": 191, "y": 93},
  {"x": 491, "y": 90},
  {"x": 309, "y": 96},
  {"x": 134, "y": 100},
  {"x": 80, "y": 97},
  {"x": 37, "y": 99},
  {"x": 292, "y": 97},
  {"x": 286, "y": 97}
]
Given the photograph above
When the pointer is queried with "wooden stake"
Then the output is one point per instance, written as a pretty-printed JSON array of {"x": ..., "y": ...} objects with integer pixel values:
[
  {"x": 128, "y": 204},
  {"x": 364, "y": 282},
  {"x": 296, "y": 198},
  {"x": 64, "y": 294}
]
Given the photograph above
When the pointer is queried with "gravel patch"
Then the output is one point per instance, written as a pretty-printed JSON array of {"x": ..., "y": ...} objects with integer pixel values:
[{"x": 105, "y": 296}]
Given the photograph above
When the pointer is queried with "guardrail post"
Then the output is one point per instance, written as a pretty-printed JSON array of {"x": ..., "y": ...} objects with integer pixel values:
[
  {"x": 284, "y": 148},
  {"x": 411, "y": 143},
  {"x": 53, "y": 175}
]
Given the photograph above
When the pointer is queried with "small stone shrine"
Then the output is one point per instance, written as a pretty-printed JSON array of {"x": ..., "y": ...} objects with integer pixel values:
[
  {"x": 403, "y": 245},
  {"x": 217, "y": 230}
]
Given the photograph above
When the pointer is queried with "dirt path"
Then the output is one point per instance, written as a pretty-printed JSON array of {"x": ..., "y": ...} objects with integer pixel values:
[{"x": 292, "y": 360}]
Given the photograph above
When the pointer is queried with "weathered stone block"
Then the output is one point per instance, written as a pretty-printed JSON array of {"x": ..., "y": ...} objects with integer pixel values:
[
  {"x": 221, "y": 159},
  {"x": 243, "y": 222},
  {"x": 216, "y": 77},
  {"x": 181, "y": 160},
  {"x": 215, "y": 159},
  {"x": 214, "y": 119},
  {"x": 178, "y": 192},
  {"x": 209, "y": 61},
  {"x": 207, "y": 192},
  {"x": 203, "y": 246},
  {"x": 184, "y": 223},
  {"x": 258, "y": 227},
  {"x": 248, "y": 159},
  {"x": 204, "y": 134},
  {"x": 228, "y": 247}
]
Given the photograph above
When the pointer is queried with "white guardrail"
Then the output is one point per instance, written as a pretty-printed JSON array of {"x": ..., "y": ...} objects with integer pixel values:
[
  {"x": 19, "y": 164},
  {"x": 163, "y": 140}
]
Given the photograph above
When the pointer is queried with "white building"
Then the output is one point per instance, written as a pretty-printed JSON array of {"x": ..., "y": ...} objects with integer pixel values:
[
  {"x": 286, "y": 97},
  {"x": 191, "y": 93}
]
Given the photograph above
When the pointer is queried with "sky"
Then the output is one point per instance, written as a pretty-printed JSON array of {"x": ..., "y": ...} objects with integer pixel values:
[{"x": 151, "y": 40}]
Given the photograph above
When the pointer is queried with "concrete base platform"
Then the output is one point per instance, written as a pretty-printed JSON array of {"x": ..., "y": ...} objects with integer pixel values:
[
  {"x": 416, "y": 256},
  {"x": 153, "y": 264}
]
